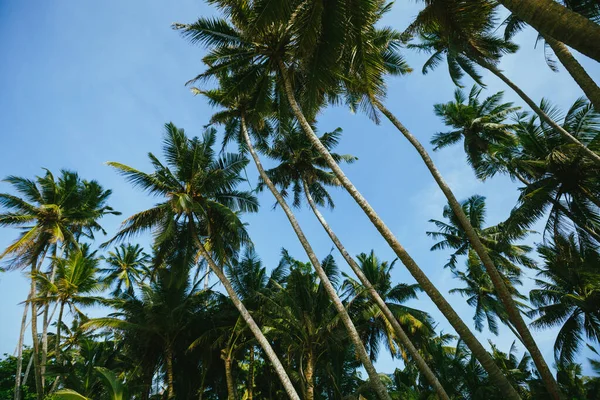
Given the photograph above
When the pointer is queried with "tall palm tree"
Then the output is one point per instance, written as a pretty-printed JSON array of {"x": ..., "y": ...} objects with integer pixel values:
[
  {"x": 418, "y": 324},
  {"x": 302, "y": 167},
  {"x": 242, "y": 114},
  {"x": 558, "y": 176},
  {"x": 480, "y": 124},
  {"x": 470, "y": 41},
  {"x": 201, "y": 203},
  {"x": 127, "y": 266},
  {"x": 74, "y": 285},
  {"x": 482, "y": 296},
  {"x": 568, "y": 294},
  {"x": 52, "y": 213},
  {"x": 262, "y": 44}
]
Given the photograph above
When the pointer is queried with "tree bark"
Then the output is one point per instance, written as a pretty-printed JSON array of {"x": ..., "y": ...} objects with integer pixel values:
[
  {"x": 250, "y": 389},
  {"x": 170, "y": 377},
  {"x": 497, "y": 279},
  {"x": 551, "y": 18},
  {"x": 47, "y": 319},
  {"x": 260, "y": 337},
  {"x": 20, "y": 349},
  {"x": 543, "y": 116},
  {"x": 309, "y": 375},
  {"x": 402, "y": 336},
  {"x": 231, "y": 392},
  {"x": 34, "y": 337},
  {"x": 434, "y": 294},
  {"x": 375, "y": 381},
  {"x": 577, "y": 72}
]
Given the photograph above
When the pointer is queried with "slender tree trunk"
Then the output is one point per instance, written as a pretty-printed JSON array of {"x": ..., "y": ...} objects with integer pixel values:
[
  {"x": 231, "y": 392},
  {"x": 250, "y": 389},
  {"x": 20, "y": 348},
  {"x": 309, "y": 375},
  {"x": 543, "y": 116},
  {"x": 260, "y": 337},
  {"x": 375, "y": 381},
  {"x": 551, "y": 18},
  {"x": 577, "y": 72},
  {"x": 434, "y": 294},
  {"x": 170, "y": 376},
  {"x": 35, "y": 338},
  {"x": 57, "y": 345},
  {"x": 497, "y": 279},
  {"x": 27, "y": 370},
  {"x": 404, "y": 339},
  {"x": 47, "y": 318}
]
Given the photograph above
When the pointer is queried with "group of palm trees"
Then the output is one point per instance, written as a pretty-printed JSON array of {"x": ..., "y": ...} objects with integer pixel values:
[{"x": 301, "y": 332}]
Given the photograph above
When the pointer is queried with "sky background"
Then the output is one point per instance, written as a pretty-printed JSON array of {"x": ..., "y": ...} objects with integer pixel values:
[{"x": 85, "y": 82}]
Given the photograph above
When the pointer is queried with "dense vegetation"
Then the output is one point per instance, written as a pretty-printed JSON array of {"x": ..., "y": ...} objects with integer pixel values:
[{"x": 198, "y": 315}]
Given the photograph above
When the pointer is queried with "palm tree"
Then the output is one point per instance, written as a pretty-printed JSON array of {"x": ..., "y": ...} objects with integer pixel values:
[
  {"x": 482, "y": 296},
  {"x": 239, "y": 113},
  {"x": 52, "y": 213},
  {"x": 568, "y": 294},
  {"x": 255, "y": 46},
  {"x": 470, "y": 41},
  {"x": 74, "y": 285},
  {"x": 480, "y": 124},
  {"x": 418, "y": 324},
  {"x": 126, "y": 267},
  {"x": 557, "y": 175},
  {"x": 201, "y": 204}
]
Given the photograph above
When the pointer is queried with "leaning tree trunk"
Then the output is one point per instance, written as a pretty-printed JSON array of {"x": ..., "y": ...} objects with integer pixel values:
[
  {"x": 550, "y": 18},
  {"x": 46, "y": 319},
  {"x": 20, "y": 348},
  {"x": 389, "y": 316},
  {"x": 497, "y": 279},
  {"x": 260, "y": 337},
  {"x": 577, "y": 72},
  {"x": 57, "y": 345},
  {"x": 543, "y": 116},
  {"x": 434, "y": 294},
  {"x": 375, "y": 381}
]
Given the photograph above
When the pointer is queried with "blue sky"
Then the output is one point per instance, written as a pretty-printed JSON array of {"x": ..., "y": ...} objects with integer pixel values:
[{"x": 86, "y": 82}]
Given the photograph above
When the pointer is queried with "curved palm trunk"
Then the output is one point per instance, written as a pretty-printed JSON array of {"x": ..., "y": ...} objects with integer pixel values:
[
  {"x": 404, "y": 339},
  {"x": 577, "y": 72},
  {"x": 48, "y": 318},
  {"x": 497, "y": 279},
  {"x": 543, "y": 116},
  {"x": 550, "y": 18},
  {"x": 339, "y": 306},
  {"x": 57, "y": 346},
  {"x": 434, "y": 294},
  {"x": 20, "y": 349},
  {"x": 260, "y": 337}
]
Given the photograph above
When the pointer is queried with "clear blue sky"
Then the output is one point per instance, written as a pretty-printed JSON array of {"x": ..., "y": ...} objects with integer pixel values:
[{"x": 85, "y": 82}]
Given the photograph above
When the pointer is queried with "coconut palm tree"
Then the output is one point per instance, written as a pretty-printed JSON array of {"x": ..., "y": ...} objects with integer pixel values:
[
  {"x": 53, "y": 213},
  {"x": 468, "y": 42},
  {"x": 202, "y": 204},
  {"x": 74, "y": 285},
  {"x": 509, "y": 257},
  {"x": 480, "y": 124},
  {"x": 417, "y": 324},
  {"x": 242, "y": 114},
  {"x": 568, "y": 294},
  {"x": 127, "y": 266},
  {"x": 482, "y": 296},
  {"x": 253, "y": 45}
]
